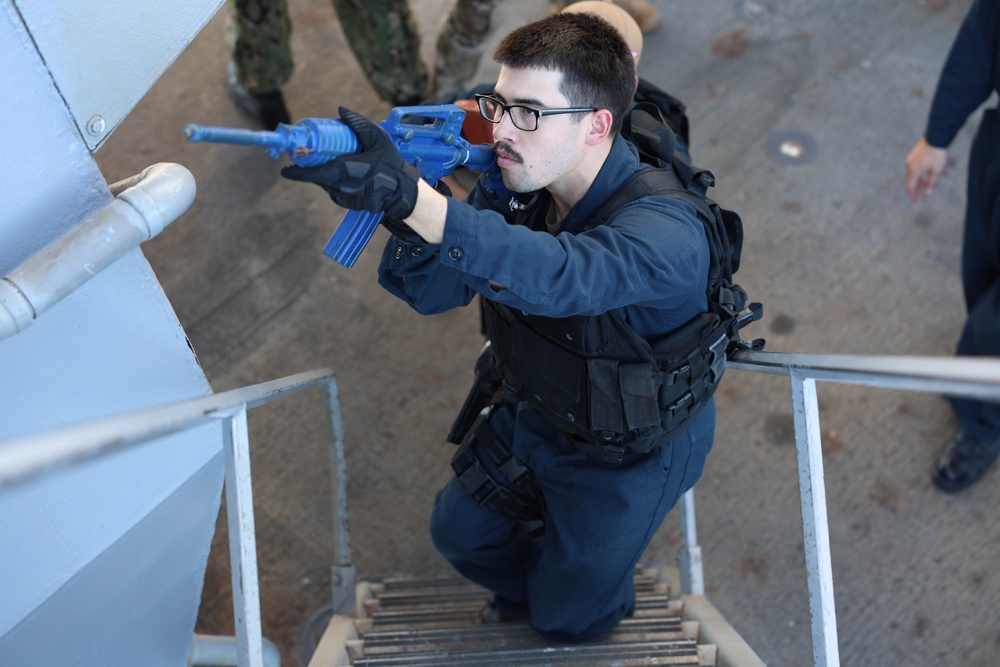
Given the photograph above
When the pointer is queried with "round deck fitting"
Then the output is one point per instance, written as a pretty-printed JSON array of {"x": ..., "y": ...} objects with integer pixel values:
[{"x": 791, "y": 147}]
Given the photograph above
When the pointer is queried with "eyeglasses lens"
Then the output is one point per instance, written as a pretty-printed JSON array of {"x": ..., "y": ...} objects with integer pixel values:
[{"x": 522, "y": 117}]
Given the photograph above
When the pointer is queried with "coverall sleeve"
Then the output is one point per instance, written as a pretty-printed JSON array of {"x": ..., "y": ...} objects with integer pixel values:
[
  {"x": 651, "y": 252},
  {"x": 969, "y": 74}
]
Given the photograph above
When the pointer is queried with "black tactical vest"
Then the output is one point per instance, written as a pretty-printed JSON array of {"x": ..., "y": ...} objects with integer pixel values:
[
  {"x": 593, "y": 377},
  {"x": 601, "y": 383},
  {"x": 597, "y": 380}
]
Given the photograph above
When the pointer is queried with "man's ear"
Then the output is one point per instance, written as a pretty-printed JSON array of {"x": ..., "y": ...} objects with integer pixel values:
[{"x": 600, "y": 127}]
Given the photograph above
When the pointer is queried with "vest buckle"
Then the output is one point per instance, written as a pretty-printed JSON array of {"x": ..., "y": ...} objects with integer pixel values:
[
  {"x": 612, "y": 453},
  {"x": 681, "y": 402},
  {"x": 511, "y": 392},
  {"x": 717, "y": 353}
]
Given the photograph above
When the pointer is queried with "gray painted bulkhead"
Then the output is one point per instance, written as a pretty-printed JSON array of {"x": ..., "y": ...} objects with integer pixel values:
[{"x": 102, "y": 564}]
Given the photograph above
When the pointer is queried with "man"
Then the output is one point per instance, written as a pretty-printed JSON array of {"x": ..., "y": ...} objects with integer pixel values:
[
  {"x": 971, "y": 73},
  {"x": 544, "y": 511}
]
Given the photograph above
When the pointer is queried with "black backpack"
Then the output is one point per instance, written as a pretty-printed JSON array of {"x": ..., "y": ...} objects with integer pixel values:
[
  {"x": 670, "y": 175},
  {"x": 672, "y": 109}
]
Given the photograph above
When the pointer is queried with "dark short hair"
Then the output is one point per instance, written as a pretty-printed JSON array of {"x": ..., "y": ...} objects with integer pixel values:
[{"x": 596, "y": 64}]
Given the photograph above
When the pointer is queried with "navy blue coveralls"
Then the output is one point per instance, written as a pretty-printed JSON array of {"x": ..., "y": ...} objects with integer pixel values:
[
  {"x": 971, "y": 73},
  {"x": 650, "y": 260}
]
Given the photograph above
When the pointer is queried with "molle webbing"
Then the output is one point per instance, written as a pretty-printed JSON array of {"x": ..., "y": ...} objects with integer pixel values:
[
  {"x": 521, "y": 501},
  {"x": 602, "y": 384}
]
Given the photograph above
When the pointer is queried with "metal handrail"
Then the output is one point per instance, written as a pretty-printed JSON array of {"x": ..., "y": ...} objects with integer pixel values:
[
  {"x": 26, "y": 458},
  {"x": 143, "y": 205},
  {"x": 977, "y": 377}
]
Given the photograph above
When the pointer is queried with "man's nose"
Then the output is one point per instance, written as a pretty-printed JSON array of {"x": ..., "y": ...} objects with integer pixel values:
[{"x": 504, "y": 129}]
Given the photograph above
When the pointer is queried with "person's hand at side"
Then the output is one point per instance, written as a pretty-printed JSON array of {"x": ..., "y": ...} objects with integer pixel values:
[{"x": 924, "y": 165}]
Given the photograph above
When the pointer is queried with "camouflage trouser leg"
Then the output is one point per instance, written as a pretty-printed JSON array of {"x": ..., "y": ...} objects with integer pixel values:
[
  {"x": 384, "y": 38},
  {"x": 258, "y": 39}
]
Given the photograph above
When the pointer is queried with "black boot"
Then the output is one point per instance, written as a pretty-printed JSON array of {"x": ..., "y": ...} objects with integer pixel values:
[
  {"x": 267, "y": 108},
  {"x": 964, "y": 460}
]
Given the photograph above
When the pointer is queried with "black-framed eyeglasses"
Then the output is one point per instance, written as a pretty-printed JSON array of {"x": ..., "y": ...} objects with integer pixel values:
[{"x": 524, "y": 118}]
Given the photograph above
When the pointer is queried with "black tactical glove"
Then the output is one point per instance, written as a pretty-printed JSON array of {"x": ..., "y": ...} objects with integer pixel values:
[
  {"x": 376, "y": 179},
  {"x": 443, "y": 188}
]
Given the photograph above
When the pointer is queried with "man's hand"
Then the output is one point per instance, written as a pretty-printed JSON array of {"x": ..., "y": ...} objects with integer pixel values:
[
  {"x": 377, "y": 179},
  {"x": 924, "y": 165}
]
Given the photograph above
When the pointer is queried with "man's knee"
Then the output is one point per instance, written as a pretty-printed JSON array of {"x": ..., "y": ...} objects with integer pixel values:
[
  {"x": 583, "y": 625},
  {"x": 459, "y": 527},
  {"x": 446, "y": 531},
  {"x": 582, "y": 606}
]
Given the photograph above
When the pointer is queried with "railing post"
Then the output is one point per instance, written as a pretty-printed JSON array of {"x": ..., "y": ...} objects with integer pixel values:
[
  {"x": 342, "y": 573},
  {"x": 815, "y": 529},
  {"x": 692, "y": 570},
  {"x": 242, "y": 541}
]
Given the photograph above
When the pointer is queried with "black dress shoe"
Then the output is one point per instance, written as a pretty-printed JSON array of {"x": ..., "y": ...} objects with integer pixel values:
[
  {"x": 267, "y": 108},
  {"x": 964, "y": 460}
]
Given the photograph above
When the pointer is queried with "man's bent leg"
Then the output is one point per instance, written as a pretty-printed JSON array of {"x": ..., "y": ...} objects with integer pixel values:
[
  {"x": 599, "y": 520},
  {"x": 488, "y": 548}
]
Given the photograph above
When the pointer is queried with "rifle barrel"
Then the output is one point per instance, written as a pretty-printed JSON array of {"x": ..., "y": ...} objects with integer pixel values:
[{"x": 230, "y": 135}]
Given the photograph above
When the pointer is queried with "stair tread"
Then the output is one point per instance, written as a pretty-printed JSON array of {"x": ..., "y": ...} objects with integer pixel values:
[
  {"x": 660, "y": 653},
  {"x": 516, "y": 634},
  {"x": 644, "y": 579},
  {"x": 428, "y": 609},
  {"x": 430, "y": 621}
]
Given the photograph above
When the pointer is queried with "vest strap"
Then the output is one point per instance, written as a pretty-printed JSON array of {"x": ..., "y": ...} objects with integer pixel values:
[{"x": 523, "y": 502}]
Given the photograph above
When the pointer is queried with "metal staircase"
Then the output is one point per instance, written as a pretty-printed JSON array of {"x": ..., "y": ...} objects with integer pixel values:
[
  {"x": 414, "y": 622},
  {"x": 425, "y": 622}
]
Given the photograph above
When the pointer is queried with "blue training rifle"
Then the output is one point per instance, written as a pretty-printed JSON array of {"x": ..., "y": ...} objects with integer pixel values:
[{"x": 428, "y": 137}]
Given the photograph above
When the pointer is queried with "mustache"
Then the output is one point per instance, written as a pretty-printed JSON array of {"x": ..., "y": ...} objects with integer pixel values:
[{"x": 506, "y": 150}]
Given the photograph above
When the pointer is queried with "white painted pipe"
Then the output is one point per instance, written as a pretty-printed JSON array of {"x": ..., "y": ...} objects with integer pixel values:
[
  {"x": 213, "y": 650},
  {"x": 144, "y": 204}
]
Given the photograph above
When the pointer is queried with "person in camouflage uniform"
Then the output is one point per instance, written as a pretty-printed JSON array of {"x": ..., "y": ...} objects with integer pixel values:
[
  {"x": 378, "y": 32},
  {"x": 261, "y": 62},
  {"x": 261, "y": 59}
]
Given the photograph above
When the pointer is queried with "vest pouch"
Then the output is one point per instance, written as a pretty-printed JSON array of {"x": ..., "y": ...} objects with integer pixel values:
[
  {"x": 595, "y": 399},
  {"x": 679, "y": 343},
  {"x": 600, "y": 383},
  {"x": 692, "y": 362},
  {"x": 551, "y": 379},
  {"x": 586, "y": 336}
]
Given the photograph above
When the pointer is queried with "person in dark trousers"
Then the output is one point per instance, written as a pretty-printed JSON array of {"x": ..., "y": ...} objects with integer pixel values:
[
  {"x": 542, "y": 511},
  {"x": 970, "y": 74}
]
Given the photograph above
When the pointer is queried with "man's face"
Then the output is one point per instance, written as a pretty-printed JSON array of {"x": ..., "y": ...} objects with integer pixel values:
[{"x": 530, "y": 161}]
